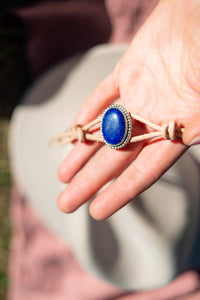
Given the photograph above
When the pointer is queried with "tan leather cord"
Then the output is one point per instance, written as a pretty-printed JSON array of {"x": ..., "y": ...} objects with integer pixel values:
[{"x": 170, "y": 131}]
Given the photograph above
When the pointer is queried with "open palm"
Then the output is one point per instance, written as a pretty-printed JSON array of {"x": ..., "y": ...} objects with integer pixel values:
[{"x": 158, "y": 79}]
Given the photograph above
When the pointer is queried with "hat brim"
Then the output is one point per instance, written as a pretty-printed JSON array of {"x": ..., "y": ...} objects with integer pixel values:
[{"x": 49, "y": 108}]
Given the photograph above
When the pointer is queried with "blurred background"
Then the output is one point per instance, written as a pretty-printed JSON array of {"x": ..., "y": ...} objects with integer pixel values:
[
  {"x": 17, "y": 72},
  {"x": 15, "y": 77},
  {"x": 26, "y": 51},
  {"x": 5, "y": 231}
]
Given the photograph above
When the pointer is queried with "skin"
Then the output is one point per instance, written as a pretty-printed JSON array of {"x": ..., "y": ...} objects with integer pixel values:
[{"x": 157, "y": 78}]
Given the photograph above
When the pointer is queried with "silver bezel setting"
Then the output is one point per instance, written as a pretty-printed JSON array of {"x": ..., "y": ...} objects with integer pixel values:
[{"x": 128, "y": 132}]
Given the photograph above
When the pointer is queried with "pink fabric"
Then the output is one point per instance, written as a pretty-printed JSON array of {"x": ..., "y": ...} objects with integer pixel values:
[{"x": 42, "y": 266}]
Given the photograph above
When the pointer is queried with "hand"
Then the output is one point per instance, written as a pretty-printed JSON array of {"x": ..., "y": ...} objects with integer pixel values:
[{"x": 157, "y": 78}]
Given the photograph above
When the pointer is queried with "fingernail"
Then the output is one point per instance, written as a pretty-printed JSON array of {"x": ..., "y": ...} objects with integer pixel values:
[{"x": 195, "y": 141}]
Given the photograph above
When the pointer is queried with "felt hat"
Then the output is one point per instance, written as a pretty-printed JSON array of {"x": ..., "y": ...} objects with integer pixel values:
[{"x": 145, "y": 244}]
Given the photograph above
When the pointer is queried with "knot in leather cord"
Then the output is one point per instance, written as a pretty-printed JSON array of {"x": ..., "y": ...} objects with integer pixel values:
[
  {"x": 77, "y": 133},
  {"x": 168, "y": 131}
]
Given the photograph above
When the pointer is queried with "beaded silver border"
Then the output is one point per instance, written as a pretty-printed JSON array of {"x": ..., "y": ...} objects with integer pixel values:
[{"x": 127, "y": 135}]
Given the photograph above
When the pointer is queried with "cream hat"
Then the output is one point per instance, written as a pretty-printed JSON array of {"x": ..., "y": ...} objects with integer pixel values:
[{"x": 145, "y": 244}]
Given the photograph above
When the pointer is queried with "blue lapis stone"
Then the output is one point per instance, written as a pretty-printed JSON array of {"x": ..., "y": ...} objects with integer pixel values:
[{"x": 114, "y": 126}]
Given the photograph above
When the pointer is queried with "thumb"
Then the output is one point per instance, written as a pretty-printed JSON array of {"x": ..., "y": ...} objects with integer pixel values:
[{"x": 191, "y": 135}]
